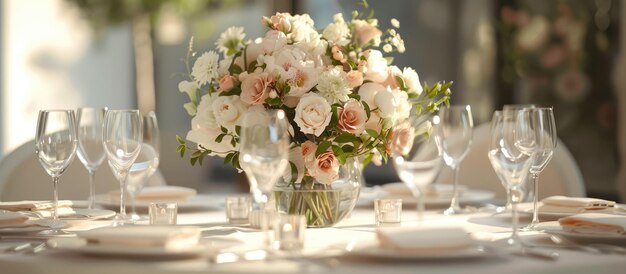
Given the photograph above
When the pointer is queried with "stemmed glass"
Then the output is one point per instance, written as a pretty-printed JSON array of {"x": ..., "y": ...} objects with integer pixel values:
[
  {"x": 55, "y": 146},
  {"x": 263, "y": 152},
  {"x": 146, "y": 163},
  {"x": 537, "y": 135},
  {"x": 455, "y": 132},
  {"x": 122, "y": 138},
  {"x": 509, "y": 162},
  {"x": 90, "y": 150},
  {"x": 416, "y": 154}
]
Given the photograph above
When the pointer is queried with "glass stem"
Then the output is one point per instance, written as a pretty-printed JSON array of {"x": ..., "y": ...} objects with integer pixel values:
[
  {"x": 92, "y": 189},
  {"x": 55, "y": 214},
  {"x": 122, "y": 192},
  {"x": 454, "y": 204},
  {"x": 535, "y": 178},
  {"x": 133, "y": 210},
  {"x": 514, "y": 236}
]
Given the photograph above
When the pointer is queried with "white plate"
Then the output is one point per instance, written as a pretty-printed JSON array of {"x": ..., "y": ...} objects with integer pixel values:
[
  {"x": 22, "y": 230},
  {"x": 80, "y": 245},
  {"x": 85, "y": 214},
  {"x": 193, "y": 202},
  {"x": 467, "y": 196},
  {"x": 556, "y": 229},
  {"x": 374, "y": 251}
]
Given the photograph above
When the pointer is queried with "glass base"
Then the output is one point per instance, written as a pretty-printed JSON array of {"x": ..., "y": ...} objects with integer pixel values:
[
  {"x": 531, "y": 227},
  {"x": 455, "y": 211},
  {"x": 56, "y": 233}
]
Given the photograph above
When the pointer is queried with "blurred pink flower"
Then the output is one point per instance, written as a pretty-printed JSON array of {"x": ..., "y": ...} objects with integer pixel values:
[
  {"x": 553, "y": 57},
  {"x": 572, "y": 86}
]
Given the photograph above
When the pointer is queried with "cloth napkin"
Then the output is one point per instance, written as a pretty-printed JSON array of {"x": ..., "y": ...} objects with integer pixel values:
[
  {"x": 12, "y": 219},
  {"x": 161, "y": 193},
  {"x": 32, "y": 205},
  {"x": 424, "y": 239},
  {"x": 563, "y": 204},
  {"x": 170, "y": 238},
  {"x": 595, "y": 223}
]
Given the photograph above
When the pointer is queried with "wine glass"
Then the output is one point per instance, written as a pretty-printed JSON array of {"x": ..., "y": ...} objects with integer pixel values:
[
  {"x": 55, "y": 146},
  {"x": 90, "y": 150},
  {"x": 122, "y": 138},
  {"x": 263, "y": 150},
  {"x": 416, "y": 154},
  {"x": 509, "y": 162},
  {"x": 537, "y": 135},
  {"x": 146, "y": 163},
  {"x": 455, "y": 131}
]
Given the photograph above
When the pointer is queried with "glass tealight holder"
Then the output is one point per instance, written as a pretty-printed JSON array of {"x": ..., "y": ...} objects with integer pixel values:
[
  {"x": 289, "y": 232},
  {"x": 238, "y": 209},
  {"x": 163, "y": 213},
  {"x": 388, "y": 212}
]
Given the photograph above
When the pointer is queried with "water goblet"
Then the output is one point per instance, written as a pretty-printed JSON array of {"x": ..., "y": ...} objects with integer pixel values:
[
  {"x": 55, "y": 146},
  {"x": 455, "y": 131},
  {"x": 416, "y": 154},
  {"x": 263, "y": 152},
  {"x": 90, "y": 151},
  {"x": 509, "y": 162},
  {"x": 537, "y": 135},
  {"x": 122, "y": 139},
  {"x": 146, "y": 163}
]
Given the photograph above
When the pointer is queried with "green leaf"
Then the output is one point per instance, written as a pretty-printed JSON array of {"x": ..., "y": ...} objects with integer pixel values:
[
  {"x": 231, "y": 92},
  {"x": 180, "y": 140},
  {"x": 346, "y": 138},
  {"x": 181, "y": 149},
  {"x": 287, "y": 90},
  {"x": 220, "y": 138},
  {"x": 374, "y": 134},
  {"x": 401, "y": 83},
  {"x": 238, "y": 130},
  {"x": 341, "y": 156},
  {"x": 193, "y": 161},
  {"x": 368, "y": 159},
  {"x": 368, "y": 111},
  {"x": 294, "y": 172},
  {"x": 347, "y": 148},
  {"x": 389, "y": 60},
  {"x": 228, "y": 158},
  {"x": 224, "y": 130},
  {"x": 323, "y": 146},
  {"x": 355, "y": 96},
  {"x": 235, "y": 69}
]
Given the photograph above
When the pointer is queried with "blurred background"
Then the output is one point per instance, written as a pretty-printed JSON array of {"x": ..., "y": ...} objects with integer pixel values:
[{"x": 126, "y": 53}]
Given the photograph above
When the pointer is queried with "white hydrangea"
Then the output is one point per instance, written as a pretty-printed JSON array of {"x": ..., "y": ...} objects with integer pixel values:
[
  {"x": 338, "y": 31},
  {"x": 333, "y": 86},
  {"x": 205, "y": 68}
]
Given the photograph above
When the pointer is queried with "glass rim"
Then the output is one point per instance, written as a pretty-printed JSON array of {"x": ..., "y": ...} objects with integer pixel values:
[
  {"x": 123, "y": 110},
  {"x": 55, "y": 110}
]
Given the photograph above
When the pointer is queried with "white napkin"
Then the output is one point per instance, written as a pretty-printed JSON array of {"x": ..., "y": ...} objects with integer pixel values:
[
  {"x": 170, "y": 238},
  {"x": 12, "y": 219},
  {"x": 33, "y": 205},
  {"x": 424, "y": 239},
  {"x": 161, "y": 193},
  {"x": 562, "y": 204},
  {"x": 595, "y": 223}
]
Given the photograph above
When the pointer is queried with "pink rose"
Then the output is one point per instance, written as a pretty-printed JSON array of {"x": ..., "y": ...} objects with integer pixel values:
[
  {"x": 366, "y": 32},
  {"x": 337, "y": 54},
  {"x": 354, "y": 78},
  {"x": 280, "y": 21},
  {"x": 227, "y": 82},
  {"x": 553, "y": 57},
  {"x": 313, "y": 114},
  {"x": 401, "y": 141},
  {"x": 308, "y": 148},
  {"x": 352, "y": 117},
  {"x": 255, "y": 88},
  {"x": 325, "y": 168},
  {"x": 391, "y": 80},
  {"x": 273, "y": 41}
]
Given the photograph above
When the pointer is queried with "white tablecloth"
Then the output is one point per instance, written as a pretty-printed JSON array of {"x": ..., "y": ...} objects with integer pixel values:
[{"x": 359, "y": 227}]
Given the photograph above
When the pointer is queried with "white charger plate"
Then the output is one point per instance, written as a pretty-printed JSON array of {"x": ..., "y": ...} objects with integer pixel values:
[
  {"x": 374, "y": 251},
  {"x": 555, "y": 228},
  {"x": 85, "y": 214},
  {"x": 528, "y": 208},
  {"x": 80, "y": 245},
  {"x": 193, "y": 202}
]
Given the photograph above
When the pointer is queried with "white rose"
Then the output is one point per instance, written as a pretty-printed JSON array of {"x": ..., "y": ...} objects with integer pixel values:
[
  {"x": 368, "y": 91},
  {"x": 313, "y": 114},
  {"x": 376, "y": 67},
  {"x": 386, "y": 103},
  {"x": 273, "y": 41},
  {"x": 189, "y": 87},
  {"x": 412, "y": 80},
  {"x": 204, "y": 129},
  {"x": 337, "y": 33},
  {"x": 228, "y": 111}
]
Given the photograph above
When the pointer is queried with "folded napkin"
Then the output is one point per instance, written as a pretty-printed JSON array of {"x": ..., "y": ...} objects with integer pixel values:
[
  {"x": 32, "y": 205},
  {"x": 12, "y": 219},
  {"x": 169, "y": 238},
  {"x": 161, "y": 193},
  {"x": 424, "y": 239},
  {"x": 595, "y": 223},
  {"x": 562, "y": 204}
]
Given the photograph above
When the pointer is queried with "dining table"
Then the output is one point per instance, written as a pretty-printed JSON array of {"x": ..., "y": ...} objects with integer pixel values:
[{"x": 325, "y": 250}]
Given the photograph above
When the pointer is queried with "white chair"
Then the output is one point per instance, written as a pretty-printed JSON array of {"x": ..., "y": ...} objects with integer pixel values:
[
  {"x": 23, "y": 178},
  {"x": 560, "y": 177}
]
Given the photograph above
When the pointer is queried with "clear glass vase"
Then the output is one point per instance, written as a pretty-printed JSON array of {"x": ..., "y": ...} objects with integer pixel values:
[{"x": 323, "y": 205}]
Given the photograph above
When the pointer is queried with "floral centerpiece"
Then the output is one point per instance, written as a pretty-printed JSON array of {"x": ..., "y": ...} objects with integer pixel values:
[{"x": 340, "y": 93}]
